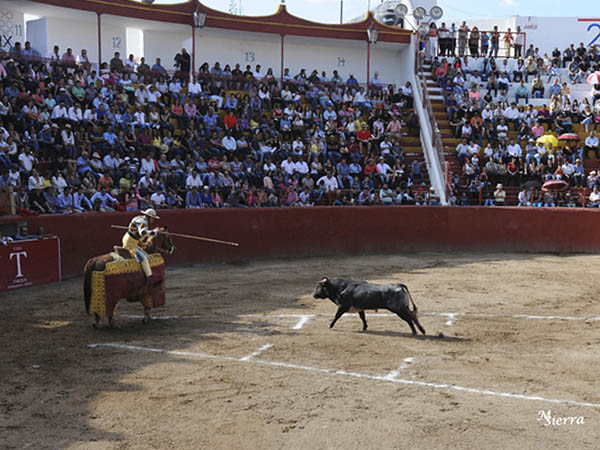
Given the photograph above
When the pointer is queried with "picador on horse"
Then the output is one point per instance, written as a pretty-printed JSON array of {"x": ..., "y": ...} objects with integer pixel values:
[
  {"x": 135, "y": 272},
  {"x": 139, "y": 227}
]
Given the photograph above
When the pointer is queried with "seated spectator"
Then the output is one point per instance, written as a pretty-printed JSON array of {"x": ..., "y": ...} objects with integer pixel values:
[
  {"x": 522, "y": 92},
  {"x": 499, "y": 195}
]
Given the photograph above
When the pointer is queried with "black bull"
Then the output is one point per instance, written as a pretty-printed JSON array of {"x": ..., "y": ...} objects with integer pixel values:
[{"x": 358, "y": 296}]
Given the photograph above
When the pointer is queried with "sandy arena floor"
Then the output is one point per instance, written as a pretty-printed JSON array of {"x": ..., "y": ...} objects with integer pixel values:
[{"x": 242, "y": 357}]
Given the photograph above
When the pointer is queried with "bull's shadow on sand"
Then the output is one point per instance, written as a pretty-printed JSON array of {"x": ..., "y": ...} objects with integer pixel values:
[
  {"x": 408, "y": 335},
  {"x": 51, "y": 377}
]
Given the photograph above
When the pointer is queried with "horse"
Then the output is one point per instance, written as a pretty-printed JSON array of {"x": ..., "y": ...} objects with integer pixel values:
[{"x": 113, "y": 276}]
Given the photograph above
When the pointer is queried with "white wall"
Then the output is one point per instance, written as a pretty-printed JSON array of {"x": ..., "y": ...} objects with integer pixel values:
[
  {"x": 164, "y": 45},
  {"x": 550, "y": 32},
  {"x": 232, "y": 47},
  {"x": 546, "y": 33},
  {"x": 11, "y": 27},
  {"x": 80, "y": 35}
]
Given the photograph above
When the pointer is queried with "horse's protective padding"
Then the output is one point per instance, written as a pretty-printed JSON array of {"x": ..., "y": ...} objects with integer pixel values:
[{"x": 123, "y": 278}]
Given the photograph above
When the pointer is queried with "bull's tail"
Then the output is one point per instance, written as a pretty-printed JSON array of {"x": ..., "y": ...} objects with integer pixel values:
[
  {"x": 87, "y": 284},
  {"x": 415, "y": 309}
]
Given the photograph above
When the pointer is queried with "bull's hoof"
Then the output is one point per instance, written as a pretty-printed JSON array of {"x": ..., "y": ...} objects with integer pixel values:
[
  {"x": 95, "y": 326},
  {"x": 364, "y": 329},
  {"x": 146, "y": 320}
]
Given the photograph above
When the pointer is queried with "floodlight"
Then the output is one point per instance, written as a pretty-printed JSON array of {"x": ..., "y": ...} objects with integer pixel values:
[
  {"x": 436, "y": 13},
  {"x": 401, "y": 10},
  {"x": 148, "y": 2},
  {"x": 419, "y": 13}
]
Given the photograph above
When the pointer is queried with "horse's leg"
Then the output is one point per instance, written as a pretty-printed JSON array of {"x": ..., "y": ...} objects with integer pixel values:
[
  {"x": 111, "y": 322},
  {"x": 96, "y": 323},
  {"x": 147, "y": 317}
]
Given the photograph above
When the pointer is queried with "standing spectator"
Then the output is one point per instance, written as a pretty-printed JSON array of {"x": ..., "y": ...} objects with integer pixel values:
[
  {"x": 519, "y": 40},
  {"x": 463, "y": 34}
]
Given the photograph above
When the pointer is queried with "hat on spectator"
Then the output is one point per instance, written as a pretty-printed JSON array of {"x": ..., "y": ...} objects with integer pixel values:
[
  {"x": 54, "y": 125},
  {"x": 499, "y": 186},
  {"x": 95, "y": 155},
  {"x": 164, "y": 148},
  {"x": 46, "y": 127},
  {"x": 593, "y": 172},
  {"x": 68, "y": 126}
]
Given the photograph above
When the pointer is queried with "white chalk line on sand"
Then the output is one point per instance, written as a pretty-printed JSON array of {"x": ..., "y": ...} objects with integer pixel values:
[
  {"x": 257, "y": 352},
  {"x": 386, "y": 378},
  {"x": 303, "y": 319},
  {"x": 394, "y": 373}
]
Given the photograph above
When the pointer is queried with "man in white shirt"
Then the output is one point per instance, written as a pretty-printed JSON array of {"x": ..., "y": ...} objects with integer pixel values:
[
  {"x": 591, "y": 143},
  {"x": 175, "y": 90},
  {"x": 59, "y": 182},
  {"x": 35, "y": 181},
  {"x": 153, "y": 95},
  {"x": 26, "y": 159},
  {"x": 110, "y": 162},
  {"x": 141, "y": 96},
  {"x": 60, "y": 112},
  {"x": 130, "y": 64},
  {"x": 148, "y": 165},
  {"x": 257, "y": 73},
  {"x": 511, "y": 115},
  {"x": 139, "y": 120},
  {"x": 301, "y": 167},
  {"x": 288, "y": 166},
  {"x": 514, "y": 149},
  {"x": 193, "y": 180},
  {"x": 329, "y": 182},
  {"x": 298, "y": 146},
  {"x": 194, "y": 88},
  {"x": 229, "y": 142},
  {"x": 383, "y": 168},
  {"x": 75, "y": 113},
  {"x": 462, "y": 151},
  {"x": 158, "y": 199}
]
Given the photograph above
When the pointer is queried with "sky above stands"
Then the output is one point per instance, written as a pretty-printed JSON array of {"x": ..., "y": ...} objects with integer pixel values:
[{"x": 329, "y": 10}]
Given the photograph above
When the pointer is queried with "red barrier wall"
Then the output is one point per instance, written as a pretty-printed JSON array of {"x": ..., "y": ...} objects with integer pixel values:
[{"x": 274, "y": 232}]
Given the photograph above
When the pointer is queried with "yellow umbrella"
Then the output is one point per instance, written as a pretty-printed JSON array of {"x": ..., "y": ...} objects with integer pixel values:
[{"x": 548, "y": 139}]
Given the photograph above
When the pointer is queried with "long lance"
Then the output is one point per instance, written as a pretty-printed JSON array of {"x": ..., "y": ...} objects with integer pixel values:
[{"x": 187, "y": 236}]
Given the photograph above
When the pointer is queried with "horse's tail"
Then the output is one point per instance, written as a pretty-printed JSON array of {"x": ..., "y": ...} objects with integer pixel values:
[{"x": 87, "y": 284}]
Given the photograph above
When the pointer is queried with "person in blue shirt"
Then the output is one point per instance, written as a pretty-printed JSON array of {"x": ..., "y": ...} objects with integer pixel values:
[
  {"x": 64, "y": 201},
  {"x": 193, "y": 199},
  {"x": 80, "y": 202},
  {"x": 157, "y": 67},
  {"x": 51, "y": 199},
  {"x": 206, "y": 198},
  {"x": 103, "y": 200},
  {"x": 352, "y": 81}
]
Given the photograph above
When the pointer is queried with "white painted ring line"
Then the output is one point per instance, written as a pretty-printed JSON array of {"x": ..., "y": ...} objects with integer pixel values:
[
  {"x": 303, "y": 319},
  {"x": 386, "y": 378},
  {"x": 257, "y": 352}
]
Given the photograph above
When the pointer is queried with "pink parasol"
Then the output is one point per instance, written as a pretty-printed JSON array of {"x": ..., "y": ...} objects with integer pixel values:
[
  {"x": 568, "y": 137},
  {"x": 555, "y": 185},
  {"x": 594, "y": 78}
]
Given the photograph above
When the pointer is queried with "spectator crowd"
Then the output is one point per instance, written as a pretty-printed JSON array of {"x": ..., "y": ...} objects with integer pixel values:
[
  {"x": 504, "y": 142},
  {"x": 131, "y": 136}
]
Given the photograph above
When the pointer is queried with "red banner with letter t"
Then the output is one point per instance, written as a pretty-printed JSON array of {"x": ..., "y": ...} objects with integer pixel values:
[{"x": 29, "y": 263}]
